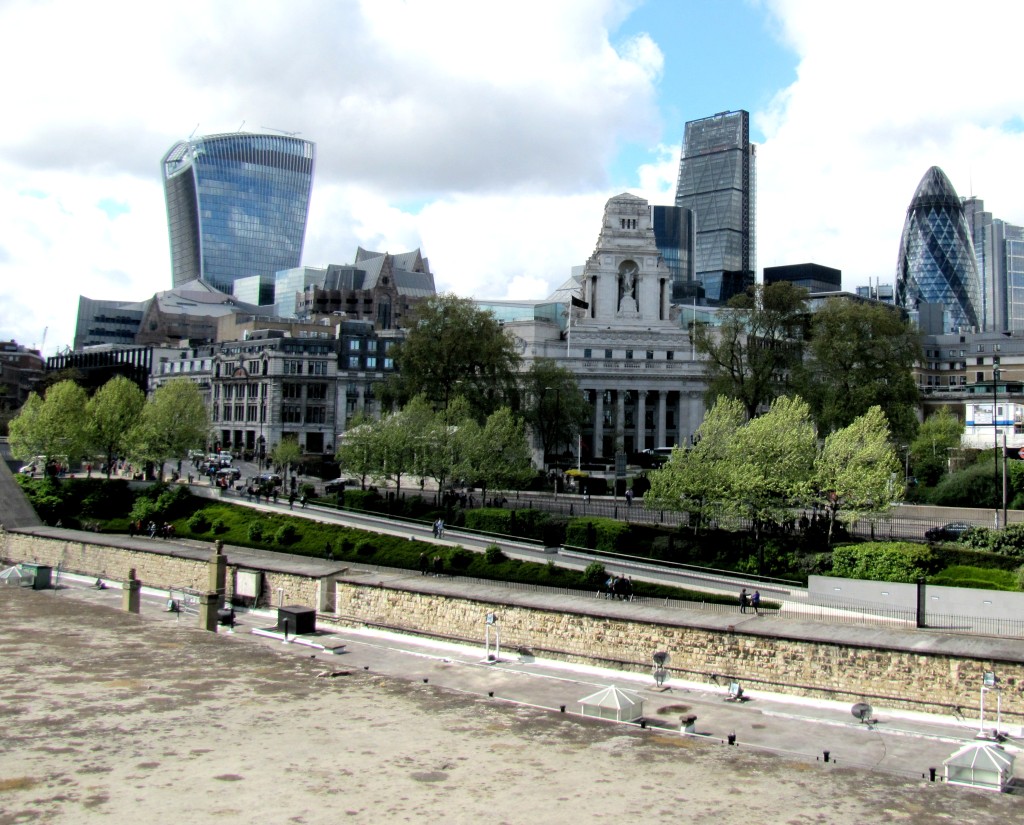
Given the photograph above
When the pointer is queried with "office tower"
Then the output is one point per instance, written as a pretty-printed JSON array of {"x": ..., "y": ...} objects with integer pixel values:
[
  {"x": 812, "y": 277},
  {"x": 673, "y": 233},
  {"x": 717, "y": 181},
  {"x": 936, "y": 260},
  {"x": 998, "y": 250},
  {"x": 236, "y": 206}
]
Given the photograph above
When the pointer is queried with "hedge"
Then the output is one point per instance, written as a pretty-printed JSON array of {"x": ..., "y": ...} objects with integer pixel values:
[{"x": 883, "y": 561}]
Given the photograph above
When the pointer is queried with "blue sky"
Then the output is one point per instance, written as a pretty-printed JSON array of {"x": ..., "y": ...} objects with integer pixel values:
[{"x": 490, "y": 135}]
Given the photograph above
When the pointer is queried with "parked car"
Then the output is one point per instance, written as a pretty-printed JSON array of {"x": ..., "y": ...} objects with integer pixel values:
[
  {"x": 948, "y": 532},
  {"x": 28, "y": 469},
  {"x": 339, "y": 484},
  {"x": 269, "y": 478},
  {"x": 231, "y": 473}
]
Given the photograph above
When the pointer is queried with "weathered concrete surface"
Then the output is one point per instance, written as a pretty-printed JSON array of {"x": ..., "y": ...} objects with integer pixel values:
[
  {"x": 15, "y": 511},
  {"x": 113, "y": 717}
]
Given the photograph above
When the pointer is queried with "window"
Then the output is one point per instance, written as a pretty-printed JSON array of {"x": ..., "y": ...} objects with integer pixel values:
[
  {"x": 371, "y": 362},
  {"x": 293, "y": 367},
  {"x": 227, "y": 412},
  {"x": 215, "y": 416},
  {"x": 629, "y": 355},
  {"x": 650, "y": 355},
  {"x": 291, "y": 414},
  {"x": 607, "y": 353},
  {"x": 250, "y": 412},
  {"x": 389, "y": 363},
  {"x": 316, "y": 415},
  {"x": 291, "y": 390},
  {"x": 670, "y": 355},
  {"x": 318, "y": 368},
  {"x": 354, "y": 345},
  {"x": 316, "y": 392},
  {"x": 587, "y": 353},
  {"x": 353, "y": 362}
]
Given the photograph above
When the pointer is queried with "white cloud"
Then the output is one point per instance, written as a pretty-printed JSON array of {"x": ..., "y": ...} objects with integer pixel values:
[
  {"x": 884, "y": 91},
  {"x": 466, "y": 128}
]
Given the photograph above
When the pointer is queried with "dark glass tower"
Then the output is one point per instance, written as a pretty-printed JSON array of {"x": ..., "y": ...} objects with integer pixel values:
[
  {"x": 236, "y": 206},
  {"x": 717, "y": 181},
  {"x": 936, "y": 262},
  {"x": 673, "y": 233}
]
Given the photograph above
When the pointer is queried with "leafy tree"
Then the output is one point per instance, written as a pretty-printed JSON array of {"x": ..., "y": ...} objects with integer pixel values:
[
  {"x": 358, "y": 448},
  {"x": 751, "y": 354},
  {"x": 453, "y": 348},
  {"x": 697, "y": 479},
  {"x": 443, "y": 442},
  {"x": 770, "y": 464},
  {"x": 554, "y": 406},
  {"x": 857, "y": 471},
  {"x": 497, "y": 455},
  {"x": 861, "y": 356},
  {"x": 286, "y": 453},
  {"x": 929, "y": 451},
  {"x": 401, "y": 441},
  {"x": 54, "y": 426},
  {"x": 173, "y": 422},
  {"x": 112, "y": 413}
]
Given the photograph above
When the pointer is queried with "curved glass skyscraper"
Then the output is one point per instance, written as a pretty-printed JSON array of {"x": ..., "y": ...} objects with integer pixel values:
[
  {"x": 236, "y": 205},
  {"x": 936, "y": 263}
]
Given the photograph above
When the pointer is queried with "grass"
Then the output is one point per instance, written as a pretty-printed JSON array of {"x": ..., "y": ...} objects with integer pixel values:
[{"x": 982, "y": 578}]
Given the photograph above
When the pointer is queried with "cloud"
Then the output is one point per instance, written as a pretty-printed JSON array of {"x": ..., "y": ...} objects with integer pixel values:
[
  {"x": 467, "y": 128},
  {"x": 883, "y": 92}
]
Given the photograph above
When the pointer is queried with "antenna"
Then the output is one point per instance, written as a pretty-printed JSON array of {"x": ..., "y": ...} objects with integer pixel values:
[
  {"x": 239, "y": 129},
  {"x": 193, "y": 132},
  {"x": 281, "y": 131}
]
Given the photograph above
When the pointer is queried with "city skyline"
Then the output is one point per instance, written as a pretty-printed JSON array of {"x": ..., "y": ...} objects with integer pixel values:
[{"x": 437, "y": 129}]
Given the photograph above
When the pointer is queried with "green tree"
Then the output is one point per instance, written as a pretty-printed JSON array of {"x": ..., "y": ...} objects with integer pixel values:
[
  {"x": 929, "y": 451},
  {"x": 54, "y": 426},
  {"x": 554, "y": 407},
  {"x": 857, "y": 471},
  {"x": 771, "y": 463},
  {"x": 112, "y": 413},
  {"x": 173, "y": 422},
  {"x": 286, "y": 454},
  {"x": 497, "y": 455},
  {"x": 751, "y": 354},
  {"x": 698, "y": 480},
  {"x": 453, "y": 348},
  {"x": 401, "y": 440},
  {"x": 861, "y": 356},
  {"x": 358, "y": 448}
]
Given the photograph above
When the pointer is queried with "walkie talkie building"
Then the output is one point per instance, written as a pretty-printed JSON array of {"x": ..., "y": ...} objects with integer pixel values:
[{"x": 236, "y": 205}]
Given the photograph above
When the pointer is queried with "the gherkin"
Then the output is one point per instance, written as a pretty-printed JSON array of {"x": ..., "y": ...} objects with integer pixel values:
[{"x": 936, "y": 262}]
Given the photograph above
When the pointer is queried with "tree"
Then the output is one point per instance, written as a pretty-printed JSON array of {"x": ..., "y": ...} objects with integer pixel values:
[
  {"x": 751, "y": 354},
  {"x": 112, "y": 413},
  {"x": 861, "y": 356},
  {"x": 358, "y": 447},
  {"x": 286, "y": 453},
  {"x": 929, "y": 451},
  {"x": 771, "y": 463},
  {"x": 698, "y": 479},
  {"x": 497, "y": 455},
  {"x": 173, "y": 422},
  {"x": 857, "y": 471},
  {"x": 54, "y": 426},
  {"x": 554, "y": 406},
  {"x": 453, "y": 348},
  {"x": 401, "y": 441}
]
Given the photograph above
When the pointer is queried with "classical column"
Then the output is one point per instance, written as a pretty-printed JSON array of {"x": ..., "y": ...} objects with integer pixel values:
[
  {"x": 620, "y": 420},
  {"x": 640, "y": 426},
  {"x": 598, "y": 445},
  {"x": 662, "y": 414}
]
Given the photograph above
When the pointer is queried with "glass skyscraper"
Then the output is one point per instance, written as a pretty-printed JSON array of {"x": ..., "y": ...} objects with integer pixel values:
[
  {"x": 936, "y": 261},
  {"x": 717, "y": 181},
  {"x": 236, "y": 206},
  {"x": 673, "y": 234}
]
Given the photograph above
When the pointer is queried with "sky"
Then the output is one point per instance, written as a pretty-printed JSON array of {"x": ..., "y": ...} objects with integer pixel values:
[{"x": 490, "y": 134}]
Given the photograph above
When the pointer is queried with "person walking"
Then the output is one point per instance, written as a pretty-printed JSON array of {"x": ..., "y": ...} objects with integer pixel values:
[
  {"x": 755, "y": 602},
  {"x": 744, "y": 599},
  {"x": 424, "y": 564}
]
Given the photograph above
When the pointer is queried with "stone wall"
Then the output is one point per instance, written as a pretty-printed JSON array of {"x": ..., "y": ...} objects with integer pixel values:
[
  {"x": 896, "y": 669},
  {"x": 923, "y": 681}
]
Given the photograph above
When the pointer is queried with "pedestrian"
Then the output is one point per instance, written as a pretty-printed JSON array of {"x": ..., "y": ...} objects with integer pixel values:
[
  {"x": 743, "y": 600},
  {"x": 131, "y": 529},
  {"x": 755, "y": 602},
  {"x": 629, "y": 497},
  {"x": 438, "y": 566},
  {"x": 440, "y": 528},
  {"x": 291, "y": 499},
  {"x": 424, "y": 564},
  {"x": 437, "y": 527},
  {"x": 302, "y": 500}
]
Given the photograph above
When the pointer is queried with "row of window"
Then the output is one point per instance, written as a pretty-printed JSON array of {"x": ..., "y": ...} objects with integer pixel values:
[
  {"x": 290, "y": 413},
  {"x": 649, "y": 354}
]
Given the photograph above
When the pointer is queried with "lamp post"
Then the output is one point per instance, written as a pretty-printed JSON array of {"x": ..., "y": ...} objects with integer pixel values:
[{"x": 995, "y": 436}]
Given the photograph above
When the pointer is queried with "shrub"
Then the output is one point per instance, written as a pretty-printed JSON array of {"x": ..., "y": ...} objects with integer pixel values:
[
  {"x": 459, "y": 558},
  {"x": 218, "y": 526},
  {"x": 108, "y": 499},
  {"x": 197, "y": 522},
  {"x": 882, "y": 561},
  {"x": 976, "y": 577},
  {"x": 286, "y": 534},
  {"x": 595, "y": 574},
  {"x": 255, "y": 531},
  {"x": 366, "y": 549},
  {"x": 493, "y": 554},
  {"x": 596, "y": 533}
]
